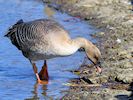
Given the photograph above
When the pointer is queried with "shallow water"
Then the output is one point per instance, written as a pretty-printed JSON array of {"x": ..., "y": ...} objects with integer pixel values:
[{"x": 17, "y": 80}]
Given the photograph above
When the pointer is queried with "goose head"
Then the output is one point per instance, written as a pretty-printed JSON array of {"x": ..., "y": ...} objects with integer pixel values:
[{"x": 92, "y": 52}]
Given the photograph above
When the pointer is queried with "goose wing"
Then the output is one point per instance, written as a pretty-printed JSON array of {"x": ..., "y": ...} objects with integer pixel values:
[{"x": 26, "y": 35}]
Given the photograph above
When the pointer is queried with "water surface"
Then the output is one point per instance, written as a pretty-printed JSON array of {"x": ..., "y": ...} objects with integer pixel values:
[{"x": 17, "y": 80}]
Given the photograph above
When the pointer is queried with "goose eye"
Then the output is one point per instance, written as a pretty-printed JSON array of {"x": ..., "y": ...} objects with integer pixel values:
[
  {"x": 96, "y": 58},
  {"x": 81, "y": 49}
]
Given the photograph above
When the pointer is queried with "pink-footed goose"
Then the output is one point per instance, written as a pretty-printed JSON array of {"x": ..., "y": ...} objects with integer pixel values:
[{"x": 44, "y": 39}]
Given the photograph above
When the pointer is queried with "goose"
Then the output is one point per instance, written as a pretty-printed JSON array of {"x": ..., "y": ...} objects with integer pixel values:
[{"x": 43, "y": 39}]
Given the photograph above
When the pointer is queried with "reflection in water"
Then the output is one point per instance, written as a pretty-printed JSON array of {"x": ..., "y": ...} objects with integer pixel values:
[
  {"x": 16, "y": 74},
  {"x": 35, "y": 92},
  {"x": 44, "y": 88}
]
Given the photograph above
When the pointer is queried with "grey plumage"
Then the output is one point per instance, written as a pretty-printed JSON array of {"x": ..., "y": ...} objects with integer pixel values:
[{"x": 26, "y": 36}]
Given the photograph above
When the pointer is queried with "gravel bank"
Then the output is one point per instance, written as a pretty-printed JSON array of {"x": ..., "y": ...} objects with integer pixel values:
[{"x": 115, "y": 19}]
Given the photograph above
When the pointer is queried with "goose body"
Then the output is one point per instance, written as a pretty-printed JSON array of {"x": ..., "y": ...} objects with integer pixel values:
[
  {"x": 44, "y": 39},
  {"x": 41, "y": 39}
]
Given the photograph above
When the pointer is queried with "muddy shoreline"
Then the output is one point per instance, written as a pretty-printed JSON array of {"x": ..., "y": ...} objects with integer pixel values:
[{"x": 115, "y": 19}]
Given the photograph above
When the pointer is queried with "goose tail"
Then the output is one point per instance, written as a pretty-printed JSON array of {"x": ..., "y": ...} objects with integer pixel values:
[{"x": 12, "y": 29}]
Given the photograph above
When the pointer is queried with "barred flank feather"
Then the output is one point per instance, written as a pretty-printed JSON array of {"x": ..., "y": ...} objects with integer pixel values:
[
  {"x": 12, "y": 29},
  {"x": 26, "y": 36},
  {"x": 11, "y": 33}
]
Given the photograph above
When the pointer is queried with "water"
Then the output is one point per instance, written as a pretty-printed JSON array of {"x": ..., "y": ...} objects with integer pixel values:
[{"x": 17, "y": 80}]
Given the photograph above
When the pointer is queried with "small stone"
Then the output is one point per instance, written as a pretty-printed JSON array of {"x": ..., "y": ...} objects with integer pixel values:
[
  {"x": 126, "y": 75},
  {"x": 118, "y": 40},
  {"x": 124, "y": 54},
  {"x": 100, "y": 34},
  {"x": 121, "y": 53},
  {"x": 69, "y": 10}
]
